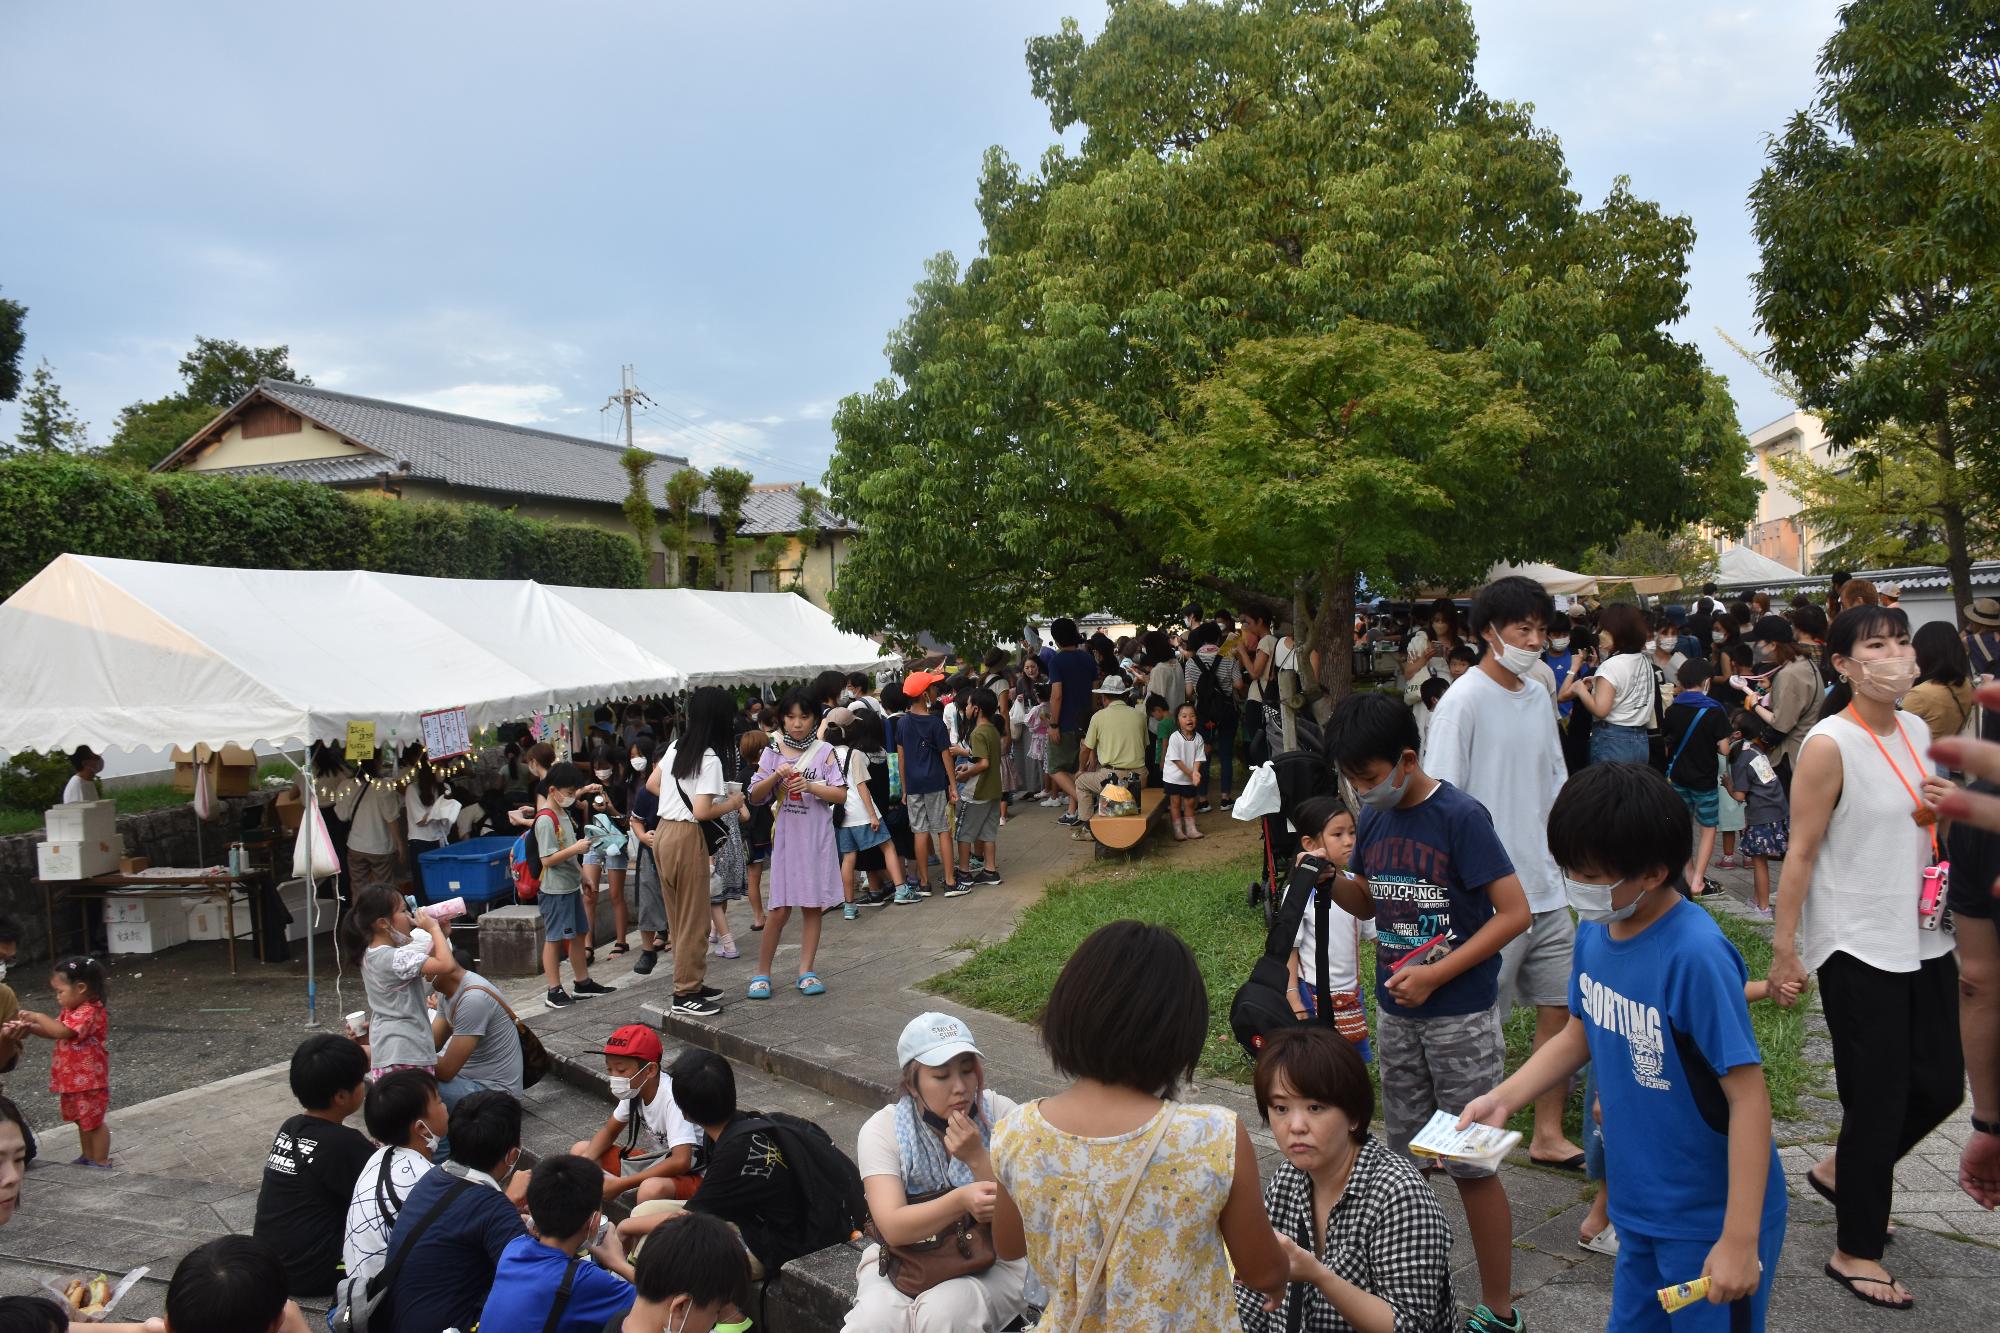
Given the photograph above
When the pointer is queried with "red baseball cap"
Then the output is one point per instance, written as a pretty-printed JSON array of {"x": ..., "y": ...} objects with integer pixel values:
[{"x": 635, "y": 1041}]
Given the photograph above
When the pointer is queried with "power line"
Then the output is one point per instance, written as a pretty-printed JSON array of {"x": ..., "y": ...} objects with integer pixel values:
[{"x": 743, "y": 451}]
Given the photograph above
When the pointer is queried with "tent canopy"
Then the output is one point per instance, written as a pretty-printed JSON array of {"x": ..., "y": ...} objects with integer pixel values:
[
  {"x": 1739, "y": 566},
  {"x": 1564, "y": 582},
  {"x": 125, "y": 653}
]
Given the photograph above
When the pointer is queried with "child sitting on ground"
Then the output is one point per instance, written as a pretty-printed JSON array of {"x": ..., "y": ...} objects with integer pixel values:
[
  {"x": 406, "y": 1115},
  {"x": 315, "y": 1160},
  {"x": 692, "y": 1275},
  {"x": 657, "y": 1156},
  {"x": 80, "y": 1067},
  {"x": 1657, "y": 1008},
  {"x": 566, "y": 1204},
  {"x": 1327, "y": 832},
  {"x": 233, "y": 1284},
  {"x": 1767, "y": 812}
]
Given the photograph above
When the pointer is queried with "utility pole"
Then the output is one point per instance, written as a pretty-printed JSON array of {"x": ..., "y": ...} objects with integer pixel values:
[{"x": 628, "y": 393}]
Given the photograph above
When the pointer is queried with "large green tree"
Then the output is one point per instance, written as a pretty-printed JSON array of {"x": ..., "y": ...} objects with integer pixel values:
[
  {"x": 48, "y": 424},
  {"x": 13, "y": 319},
  {"x": 1879, "y": 218},
  {"x": 1255, "y": 171},
  {"x": 1887, "y": 504},
  {"x": 214, "y": 374}
]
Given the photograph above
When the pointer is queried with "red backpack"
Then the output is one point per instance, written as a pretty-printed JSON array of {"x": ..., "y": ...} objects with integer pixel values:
[{"x": 524, "y": 863}]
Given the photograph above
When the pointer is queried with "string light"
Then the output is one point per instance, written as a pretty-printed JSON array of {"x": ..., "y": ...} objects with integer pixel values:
[{"x": 444, "y": 771}]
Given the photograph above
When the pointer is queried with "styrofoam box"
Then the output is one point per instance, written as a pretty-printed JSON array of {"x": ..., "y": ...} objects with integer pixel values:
[
  {"x": 78, "y": 860},
  {"x": 81, "y": 821},
  {"x": 207, "y": 918},
  {"x": 147, "y": 936},
  {"x": 132, "y": 907},
  {"x": 299, "y": 902}
]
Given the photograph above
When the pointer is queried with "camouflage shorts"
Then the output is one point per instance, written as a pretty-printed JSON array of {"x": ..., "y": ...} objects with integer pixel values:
[{"x": 1436, "y": 1064}]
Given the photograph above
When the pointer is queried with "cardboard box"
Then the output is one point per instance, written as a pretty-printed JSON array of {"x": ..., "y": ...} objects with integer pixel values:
[
  {"x": 132, "y": 865},
  {"x": 232, "y": 770},
  {"x": 81, "y": 821},
  {"x": 78, "y": 860},
  {"x": 164, "y": 932}
]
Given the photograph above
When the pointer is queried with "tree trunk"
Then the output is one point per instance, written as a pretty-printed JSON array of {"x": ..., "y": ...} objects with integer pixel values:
[
  {"x": 1333, "y": 632},
  {"x": 1957, "y": 559}
]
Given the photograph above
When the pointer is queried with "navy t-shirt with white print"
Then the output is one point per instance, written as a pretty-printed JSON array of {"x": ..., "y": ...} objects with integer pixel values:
[
  {"x": 1665, "y": 1018},
  {"x": 1428, "y": 868}
]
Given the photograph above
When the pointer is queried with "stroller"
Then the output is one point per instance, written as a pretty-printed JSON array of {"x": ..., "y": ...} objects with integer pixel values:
[{"x": 1302, "y": 774}]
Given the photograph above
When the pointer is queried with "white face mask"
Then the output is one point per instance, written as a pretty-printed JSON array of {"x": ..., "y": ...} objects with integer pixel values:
[
  {"x": 1593, "y": 901},
  {"x": 639, "y": 762},
  {"x": 622, "y": 1088},
  {"x": 566, "y": 801},
  {"x": 1388, "y": 793},
  {"x": 603, "y": 774},
  {"x": 1559, "y": 644},
  {"x": 399, "y": 938},
  {"x": 1719, "y": 636},
  {"x": 1886, "y": 679},
  {"x": 1517, "y": 660},
  {"x": 1652, "y": 645}
]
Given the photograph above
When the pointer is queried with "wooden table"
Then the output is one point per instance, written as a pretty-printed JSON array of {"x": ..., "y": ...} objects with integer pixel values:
[{"x": 193, "y": 884}]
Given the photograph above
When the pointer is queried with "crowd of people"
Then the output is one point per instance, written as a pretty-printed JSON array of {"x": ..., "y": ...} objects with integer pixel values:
[{"x": 1524, "y": 823}]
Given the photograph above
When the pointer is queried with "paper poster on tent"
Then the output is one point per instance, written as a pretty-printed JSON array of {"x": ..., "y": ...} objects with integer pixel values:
[
  {"x": 445, "y": 734},
  {"x": 360, "y": 741}
]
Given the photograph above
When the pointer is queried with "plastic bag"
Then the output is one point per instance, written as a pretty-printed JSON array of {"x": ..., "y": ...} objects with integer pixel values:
[
  {"x": 1260, "y": 794},
  {"x": 313, "y": 836}
]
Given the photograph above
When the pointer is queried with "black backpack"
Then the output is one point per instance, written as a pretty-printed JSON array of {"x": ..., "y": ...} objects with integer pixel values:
[
  {"x": 1262, "y": 1005},
  {"x": 828, "y": 1180},
  {"x": 1214, "y": 704}
]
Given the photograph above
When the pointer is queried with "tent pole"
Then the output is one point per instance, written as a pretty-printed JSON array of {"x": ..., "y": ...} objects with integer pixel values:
[{"x": 307, "y": 827}]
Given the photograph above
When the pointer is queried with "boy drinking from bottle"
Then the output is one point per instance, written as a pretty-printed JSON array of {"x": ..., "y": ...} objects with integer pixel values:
[{"x": 1656, "y": 1001}]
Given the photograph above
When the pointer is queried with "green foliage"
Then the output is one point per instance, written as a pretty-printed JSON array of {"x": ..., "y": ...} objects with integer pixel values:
[
  {"x": 1318, "y": 163},
  {"x": 1639, "y": 552},
  {"x": 31, "y": 781},
  {"x": 638, "y": 506},
  {"x": 731, "y": 487},
  {"x": 13, "y": 319},
  {"x": 684, "y": 491},
  {"x": 1888, "y": 505},
  {"x": 771, "y": 553},
  {"x": 1878, "y": 214},
  {"x": 147, "y": 432},
  {"x": 52, "y": 503},
  {"x": 48, "y": 425},
  {"x": 220, "y": 370}
]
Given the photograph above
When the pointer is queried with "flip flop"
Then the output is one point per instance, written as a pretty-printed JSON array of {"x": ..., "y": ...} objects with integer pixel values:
[
  {"x": 1825, "y": 1191},
  {"x": 1907, "y": 1303},
  {"x": 1567, "y": 1164}
]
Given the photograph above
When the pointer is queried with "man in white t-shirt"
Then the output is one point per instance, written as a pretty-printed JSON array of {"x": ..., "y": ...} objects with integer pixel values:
[
  {"x": 657, "y": 1157},
  {"x": 82, "y": 786},
  {"x": 1494, "y": 737},
  {"x": 372, "y": 810}
]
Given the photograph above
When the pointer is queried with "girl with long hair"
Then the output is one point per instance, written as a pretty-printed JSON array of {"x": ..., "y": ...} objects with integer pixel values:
[{"x": 692, "y": 791}]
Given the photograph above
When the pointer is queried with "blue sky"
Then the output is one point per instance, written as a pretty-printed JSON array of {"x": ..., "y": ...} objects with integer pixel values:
[{"x": 490, "y": 208}]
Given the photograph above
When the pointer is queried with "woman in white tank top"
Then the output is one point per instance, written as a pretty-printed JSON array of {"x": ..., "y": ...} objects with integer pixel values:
[{"x": 1863, "y": 827}]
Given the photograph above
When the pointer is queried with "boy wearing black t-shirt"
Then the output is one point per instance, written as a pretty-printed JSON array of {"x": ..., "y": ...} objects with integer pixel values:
[{"x": 315, "y": 1160}]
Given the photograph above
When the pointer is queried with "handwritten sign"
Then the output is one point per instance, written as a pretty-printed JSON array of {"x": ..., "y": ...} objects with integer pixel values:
[
  {"x": 445, "y": 734},
  {"x": 360, "y": 741}
]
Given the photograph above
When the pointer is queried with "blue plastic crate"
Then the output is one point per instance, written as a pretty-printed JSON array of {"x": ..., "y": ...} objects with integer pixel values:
[{"x": 475, "y": 870}]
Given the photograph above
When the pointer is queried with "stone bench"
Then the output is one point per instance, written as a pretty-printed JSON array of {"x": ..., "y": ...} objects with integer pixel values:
[{"x": 510, "y": 941}]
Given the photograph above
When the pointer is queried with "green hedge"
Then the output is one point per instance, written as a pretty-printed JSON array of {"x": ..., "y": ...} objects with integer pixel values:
[{"x": 53, "y": 503}]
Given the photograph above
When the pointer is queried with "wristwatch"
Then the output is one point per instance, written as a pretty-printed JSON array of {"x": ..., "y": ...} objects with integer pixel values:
[{"x": 1985, "y": 1126}]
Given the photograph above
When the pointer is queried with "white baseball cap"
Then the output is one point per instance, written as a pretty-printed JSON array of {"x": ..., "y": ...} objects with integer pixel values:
[{"x": 933, "y": 1039}]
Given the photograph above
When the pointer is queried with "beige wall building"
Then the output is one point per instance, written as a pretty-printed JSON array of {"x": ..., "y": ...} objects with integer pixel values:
[
  {"x": 1776, "y": 532},
  {"x": 417, "y": 453}
]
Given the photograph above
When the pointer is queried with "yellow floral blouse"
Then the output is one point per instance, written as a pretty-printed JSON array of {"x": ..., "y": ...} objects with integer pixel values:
[{"x": 1169, "y": 1270}]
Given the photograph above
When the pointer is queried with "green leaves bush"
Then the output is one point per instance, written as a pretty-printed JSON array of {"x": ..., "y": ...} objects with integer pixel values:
[{"x": 51, "y": 504}]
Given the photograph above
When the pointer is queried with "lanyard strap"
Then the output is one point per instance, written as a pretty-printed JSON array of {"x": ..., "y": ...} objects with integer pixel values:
[{"x": 1916, "y": 801}]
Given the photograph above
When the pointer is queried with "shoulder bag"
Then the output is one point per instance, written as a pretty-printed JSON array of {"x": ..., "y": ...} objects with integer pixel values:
[
  {"x": 713, "y": 834},
  {"x": 535, "y": 1059},
  {"x": 1088, "y": 1297},
  {"x": 561, "y": 1304},
  {"x": 961, "y": 1248},
  {"x": 360, "y": 1302}
]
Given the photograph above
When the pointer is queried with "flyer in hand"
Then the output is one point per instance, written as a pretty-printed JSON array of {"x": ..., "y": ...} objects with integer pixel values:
[{"x": 1481, "y": 1145}]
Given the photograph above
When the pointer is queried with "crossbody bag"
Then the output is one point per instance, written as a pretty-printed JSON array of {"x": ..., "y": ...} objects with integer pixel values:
[
  {"x": 1096, "y": 1283},
  {"x": 535, "y": 1061}
]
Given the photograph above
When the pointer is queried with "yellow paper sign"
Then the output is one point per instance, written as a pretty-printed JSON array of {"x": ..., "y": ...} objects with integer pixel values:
[{"x": 360, "y": 740}]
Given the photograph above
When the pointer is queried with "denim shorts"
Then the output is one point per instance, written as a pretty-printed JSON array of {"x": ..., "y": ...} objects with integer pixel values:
[
  {"x": 858, "y": 838},
  {"x": 615, "y": 860},
  {"x": 562, "y": 916}
]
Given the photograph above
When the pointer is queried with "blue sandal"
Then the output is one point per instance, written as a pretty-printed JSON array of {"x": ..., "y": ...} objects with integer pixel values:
[
  {"x": 810, "y": 984},
  {"x": 760, "y": 988}
]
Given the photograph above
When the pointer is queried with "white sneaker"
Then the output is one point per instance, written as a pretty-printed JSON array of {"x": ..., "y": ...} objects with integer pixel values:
[{"x": 1050, "y": 802}]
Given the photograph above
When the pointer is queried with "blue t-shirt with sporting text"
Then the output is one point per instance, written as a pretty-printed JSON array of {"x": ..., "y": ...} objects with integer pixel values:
[
  {"x": 1665, "y": 1017},
  {"x": 1428, "y": 868}
]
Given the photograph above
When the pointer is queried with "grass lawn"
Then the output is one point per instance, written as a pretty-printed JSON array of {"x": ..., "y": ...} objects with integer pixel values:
[{"x": 1208, "y": 908}]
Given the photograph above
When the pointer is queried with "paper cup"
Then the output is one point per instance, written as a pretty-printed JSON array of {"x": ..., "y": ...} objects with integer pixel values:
[{"x": 357, "y": 1022}]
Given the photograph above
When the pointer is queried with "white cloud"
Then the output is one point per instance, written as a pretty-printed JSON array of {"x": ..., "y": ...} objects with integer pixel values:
[
  {"x": 515, "y": 404},
  {"x": 715, "y": 442}
]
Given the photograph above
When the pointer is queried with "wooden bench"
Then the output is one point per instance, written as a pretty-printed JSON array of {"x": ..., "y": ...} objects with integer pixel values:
[{"x": 1117, "y": 834}]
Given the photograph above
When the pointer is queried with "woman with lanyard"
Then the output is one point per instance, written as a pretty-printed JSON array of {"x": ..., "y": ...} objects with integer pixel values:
[{"x": 1864, "y": 836}]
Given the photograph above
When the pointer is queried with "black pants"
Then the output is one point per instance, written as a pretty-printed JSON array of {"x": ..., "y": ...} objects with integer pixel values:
[{"x": 1897, "y": 1065}]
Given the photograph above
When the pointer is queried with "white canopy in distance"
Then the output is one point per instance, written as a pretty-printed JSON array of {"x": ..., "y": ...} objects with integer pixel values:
[
  {"x": 1739, "y": 566},
  {"x": 126, "y": 653},
  {"x": 1563, "y": 582}
]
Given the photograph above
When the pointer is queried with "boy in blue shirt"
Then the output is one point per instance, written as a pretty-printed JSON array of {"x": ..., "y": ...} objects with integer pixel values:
[
  {"x": 1657, "y": 1005},
  {"x": 1444, "y": 898},
  {"x": 565, "y": 1195}
]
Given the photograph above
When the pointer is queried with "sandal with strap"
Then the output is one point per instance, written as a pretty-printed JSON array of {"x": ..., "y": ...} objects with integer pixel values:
[
  {"x": 1907, "y": 1303},
  {"x": 620, "y": 949},
  {"x": 760, "y": 988},
  {"x": 810, "y": 984}
]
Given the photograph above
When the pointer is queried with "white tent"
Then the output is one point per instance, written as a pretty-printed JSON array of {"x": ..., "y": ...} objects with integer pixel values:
[
  {"x": 1564, "y": 582},
  {"x": 1739, "y": 566},
  {"x": 730, "y": 638}
]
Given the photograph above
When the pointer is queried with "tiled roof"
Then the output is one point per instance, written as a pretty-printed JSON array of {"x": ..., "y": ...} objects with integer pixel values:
[
  {"x": 350, "y": 470},
  {"x": 776, "y": 508},
  {"x": 466, "y": 451}
]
